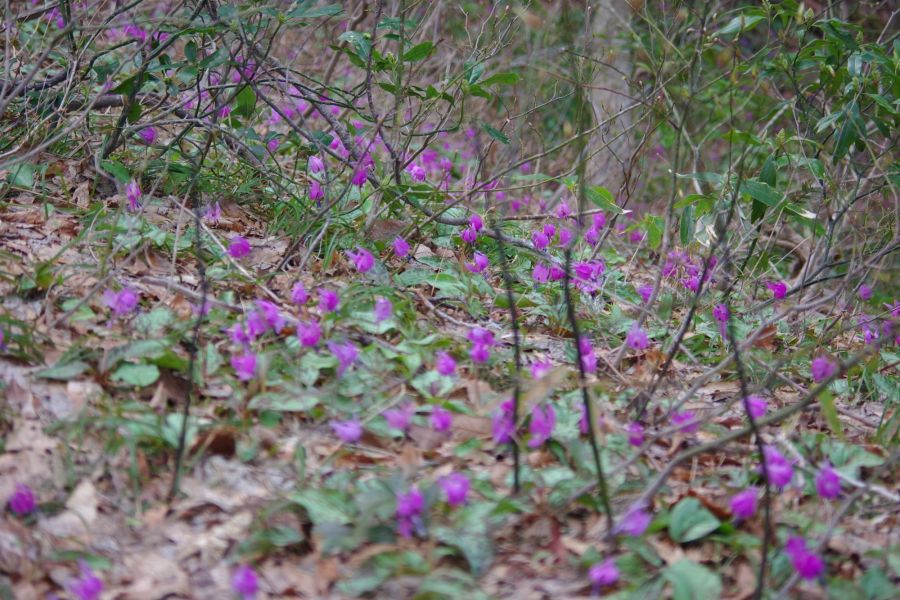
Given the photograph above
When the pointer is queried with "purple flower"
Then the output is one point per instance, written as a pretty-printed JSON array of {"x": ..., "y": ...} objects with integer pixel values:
[
  {"x": 360, "y": 174},
  {"x": 88, "y": 586},
  {"x": 543, "y": 420},
  {"x": 540, "y": 368},
  {"x": 541, "y": 273},
  {"x": 592, "y": 236},
  {"x": 399, "y": 418},
  {"x": 444, "y": 364},
  {"x": 778, "y": 289},
  {"x": 409, "y": 507},
  {"x": 645, "y": 291},
  {"x": 635, "y": 433},
  {"x": 133, "y": 195},
  {"x": 401, "y": 248},
  {"x": 224, "y": 112},
  {"x": 309, "y": 333},
  {"x": 479, "y": 353},
  {"x": 441, "y": 419},
  {"x": 469, "y": 235},
  {"x": 362, "y": 258},
  {"x": 691, "y": 283},
  {"x": 565, "y": 236},
  {"x": 328, "y": 300},
  {"x": 743, "y": 504},
  {"x": 475, "y": 222},
  {"x": 635, "y": 236},
  {"x": 315, "y": 164},
  {"x": 416, "y": 173},
  {"x": 549, "y": 230},
  {"x": 244, "y": 582},
  {"x": 720, "y": 313},
  {"x": 865, "y": 292},
  {"x": 540, "y": 240},
  {"x": 456, "y": 488},
  {"x": 272, "y": 145},
  {"x": 828, "y": 485},
  {"x": 563, "y": 211},
  {"x": 757, "y": 406},
  {"x": 480, "y": 335},
  {"x": 822, "y": 369},
  {"x": 479, "y": 264},
  {"x": 345, "y": 353},
  {"x": 599, "y": 220},
  {"x": 213, "y": 212},
  {"x": 503, "y": 425},
  {"x": 148, "y": 135},
  {"x": 238, "y": 334},
  {"x": 383, "y": 309},
  {"x": 244, "y": 365},
  {"x": 777, "y": 467},
  {"x": 807, "y": 564},
  {"x": 348, "y": 431},
  {"x": 22, "y": 502},
  {"x": 685, "y": 421},
  {"x": 637, "y": 338},
  {"x": 238, "y": 247},
  {"x": 122, "y": 302},
  {"x": 588, "y": 358},
  {"x": 635, "y": 522},
  {"x": 556, "y": 273},
  {"x": 316, "y": 192},
  {"x": 603, "y": 574},
  {"x": 299, "y": 295},
  {"x": 256, "y": 325},
  {"x": 271, "y": 315}
]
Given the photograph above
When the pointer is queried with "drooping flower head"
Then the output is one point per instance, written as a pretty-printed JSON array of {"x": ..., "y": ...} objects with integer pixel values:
[
  {"x": 346, "y": 354},
  {"x": 743, "y": 504},
  {"x": 543, "y": 420},
  {"x": 686, "y": 421},
  {"x": 147, "y": 135},
  {"x": 865, "y": 292},
  {"x": 122, "y": 302},
  {"x": 503, "y": 426},
  {"x": 637, "y": 338},
  {"x": 133, "y": 195},
  {"x": 244, "y": 582},
  {"x": 635, "y": 522},
  {"x": 828, "y": 484},
  {"x": 441, "y": 419},
  {"x": 348, "y": 431},
  {"x": 401, "y": 248},
  {"x": 479, "y": 263},
  {"x": 383, "y": 309},
  {"x": 444, "y": 363},
  {"x": 720, "y": 313},
  {"x": 315, "y": 164},
  {"x": 22, "y": 502},
  {"x": 309, "y": 333},
  {"x": 88, "y": 586},
  {"x": 238, "y": 247},
  {"x": 409, "y": 509},
  {"x": 400, "y": 417},
  {"x": 822, "y": 368},
  {"x": 645, "y": 291},
  {"x": 603, "y": 574},
  {"x": 316, "y": 192},
  {"x": 328, "y": 300},
  {"x": 299, "y": 295},
  {"x": 635, "y": 433},
  {"x": 779, "y": 469},
  {"x": 362, "y": 259},
  {"x": 244, "y": 365},
  {"x": 588, "y": 358},
  {"x": 778, "y": 289},
  {"x": 456, "y": 488},
  {"x": 807, "y": 564}
]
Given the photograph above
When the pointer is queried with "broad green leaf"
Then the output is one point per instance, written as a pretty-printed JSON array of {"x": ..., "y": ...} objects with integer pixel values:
[
  {"x": 601, "y": 198},
  {"x": 323, "y": 506},
  {"x": 500, "y": 79},
  {"x": 690, "y": 521},
  {"x": 360, "y": 43},
  {"x": 137, "y": 375},
  {"x": 691, "y": 581},
  {"x": 418, "y": 52},
  {"x": 65, "y": 371},
  {"x": 283, "y": 402},
  {"x": 245, "y": 102},
  {"x": 738, "y": 24},
  {"x": 496, "y": 134},
  {"x": 687, "y": 225},
  {"x": 762, "y": 192},
  {"x": 309, "y": 10}
]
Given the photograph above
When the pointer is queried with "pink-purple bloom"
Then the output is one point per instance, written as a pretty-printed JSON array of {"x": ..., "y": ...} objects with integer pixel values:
[
  {"x": 543, "y": 420},
  {"x": 720, "y": 313},
  {"x": 299, "y": 295},
  {"x": 88, "y": 586},
  {"x": 147, "y": 135},
  {"x": 328, "y": 300},
  {"x": 244, "y": 582},
  {"x": 685, "y": 421},
  {"x": 23, "y": 501},
  {"x": 238, "y": 247},
  {"x": 316, "y": 192},
  {"x": 588, "y": 358},
  {"x": 778, "y": 289},
  {"x": 637, "y": 338},
  {"x": 441, "y": 419},
  {"x": 409, "y": 509},
  {"x": 315, "y": 164},
  {"x": 444, "y": 363},
  {"x": 349, "y": 431},
  {"x": 401, "y": 247},
  {"x": 603, "y": 574},
  {"x": 865, "y": 292},
  {"x": 133, "y": 195},
  {"x": 645, "y": 291},
  {"x": 346, "y": 354},
  {"x": 541, "y": 273},
  {"x": 743, "y": 504},
  {"x": 757, "y": 406},
  {"x": 383, "y": 309},
  {"x": 244, "y": 365},
  {"x": 362, "y": 259},
  {"x": 475, "y": 222},
  {"x": 635, "y": 522},
  {"x": 504, "y": 426},
  {"x": 807, "y": 564},
  {"x": 778, "y": 469},
  {"x": 400, "y": 417},
  {"x": 456, "y": 488},
  {"x": 828, "y": 484},
  {"x": 469, "y": 235},
  {"x": 479, "y": 263},
  {"x": 635, "y": 433},
  {"x": 309, "y": 333},
  {"x": 822, "y": 368},
  {"x": 122, "y": 302}
]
